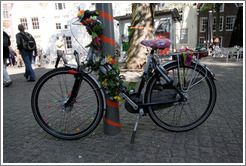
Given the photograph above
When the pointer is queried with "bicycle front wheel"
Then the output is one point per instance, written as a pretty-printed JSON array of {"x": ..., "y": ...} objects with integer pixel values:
[
  {"x": 182, "y": 115},
  {"x": 77, "y": 120}
]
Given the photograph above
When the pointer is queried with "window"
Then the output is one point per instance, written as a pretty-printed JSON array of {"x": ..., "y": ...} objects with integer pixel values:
[
  {"x": 202, "y": 42},
  {"x": 221, "y": 7},
  {"x": 27, "y": 5},
  {"x": 221, "y": 24},
  {"x": 23, "y": 21},
  {"x": 184, "y": 36},
  {"x": 65, "y": 27},
  {"x": 35, "y": 23},
  {"x": 203, "y": 24},
  {"x": 69, "y": 41},
  {"x": 58, "y": 25},
  {"x": 230, "y": 20},
  {"x": 239, "y": 4},
  {"x": 37, "y": 37},
  {"x": 5, "y": 12},
  {"x": 60, "y": 6}
]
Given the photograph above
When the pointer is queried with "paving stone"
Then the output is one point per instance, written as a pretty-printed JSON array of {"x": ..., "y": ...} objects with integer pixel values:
[{"x": 218, "y": 140}]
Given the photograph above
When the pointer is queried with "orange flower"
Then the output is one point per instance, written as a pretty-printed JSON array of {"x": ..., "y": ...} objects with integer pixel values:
[
  {"x": 81, "y": 12},
  {"x": 113, "y": 61}
]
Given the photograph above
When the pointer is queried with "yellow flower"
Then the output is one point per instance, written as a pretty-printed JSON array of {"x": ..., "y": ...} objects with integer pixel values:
[
  {"x": 118, "y": 98},
  {"x": 110, "y": 59},
  {"x": 105, "y": 82}
]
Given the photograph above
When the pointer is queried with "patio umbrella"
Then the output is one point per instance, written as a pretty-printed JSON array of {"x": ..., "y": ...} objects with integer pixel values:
[{"x": 210, "y": 26}]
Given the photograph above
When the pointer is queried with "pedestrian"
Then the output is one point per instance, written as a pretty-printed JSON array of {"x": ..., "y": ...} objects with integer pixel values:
[
  {"x": 6, "y": 43},
  {"x": 34, "y": 59},
  {"x": 40, "y": 53},
  {"x": 12, "y": 56},
  {"x": 19, "y": 59},
  {"x": 26, "y": 45},
  {"x": 60, "y": 46}
]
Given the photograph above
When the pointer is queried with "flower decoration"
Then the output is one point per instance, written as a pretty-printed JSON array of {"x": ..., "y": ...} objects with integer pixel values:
[
  {"x": 188, "y": 55},
  {"x": 107, "y": 67}
]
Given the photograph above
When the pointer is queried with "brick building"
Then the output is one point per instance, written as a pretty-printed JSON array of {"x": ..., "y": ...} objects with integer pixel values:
[{"x": 228, "y": 15}]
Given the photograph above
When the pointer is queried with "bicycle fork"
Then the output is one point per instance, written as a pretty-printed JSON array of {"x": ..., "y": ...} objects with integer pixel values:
[{"x": 72, "y": 98}]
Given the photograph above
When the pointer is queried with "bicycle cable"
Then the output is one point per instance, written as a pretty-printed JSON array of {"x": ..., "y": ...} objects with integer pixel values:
[{"x": 74, "y": 23}]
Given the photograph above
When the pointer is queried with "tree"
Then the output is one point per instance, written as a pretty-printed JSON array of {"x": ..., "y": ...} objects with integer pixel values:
[{"x": 142, "y": 27}]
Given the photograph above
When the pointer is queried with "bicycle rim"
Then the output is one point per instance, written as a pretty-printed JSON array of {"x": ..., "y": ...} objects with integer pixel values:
[
  {"x": 186, "y": 115},
  {"x": 76, "y": 121}
]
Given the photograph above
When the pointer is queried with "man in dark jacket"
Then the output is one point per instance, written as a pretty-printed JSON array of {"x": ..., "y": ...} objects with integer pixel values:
[
  {"x": 6, "y": 43},
  {"x": 26, "y": 54}
]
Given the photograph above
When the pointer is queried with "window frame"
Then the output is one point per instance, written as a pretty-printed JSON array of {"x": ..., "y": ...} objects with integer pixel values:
[
  {"x": 5, "y": 11},
  {"x": 221, "y": 26},
  {"x": 222, "y": 8},
  {"x": 234, "y": 17},
  {"x": 69, "y": 42},
  {"x": 35, "y": 23},
  {"x": 58, "y": 26},
  {"x": 60, "y": 6},
  {"x": 201, "y": 26},
  {"x": 203, "y": 44},
  {"x": 24, "y": 22}
]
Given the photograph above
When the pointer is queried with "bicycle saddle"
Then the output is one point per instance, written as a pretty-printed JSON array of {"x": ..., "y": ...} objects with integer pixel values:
[{"x": 156, "y": 44}]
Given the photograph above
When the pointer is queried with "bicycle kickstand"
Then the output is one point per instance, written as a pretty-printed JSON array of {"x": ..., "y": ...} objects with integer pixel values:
[{"x": 136, "y": 125}]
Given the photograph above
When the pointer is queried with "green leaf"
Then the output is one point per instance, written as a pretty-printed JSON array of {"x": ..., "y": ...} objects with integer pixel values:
[
  {"x": 94, "y": 35},
  {"x": 132, "y": 85}
]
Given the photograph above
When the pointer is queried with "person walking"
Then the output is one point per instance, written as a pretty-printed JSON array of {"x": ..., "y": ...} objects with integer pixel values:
[
  {"x": 60, "y": 46},
  {"x": 40, "y": 54},
  {"x": 19, "y": 59},
  {"x": 26, "y": 45},
  {"x": 6, "y": 43}
]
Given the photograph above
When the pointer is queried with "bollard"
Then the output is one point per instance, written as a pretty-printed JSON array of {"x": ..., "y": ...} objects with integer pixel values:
[{"x": 111, "y": 117}]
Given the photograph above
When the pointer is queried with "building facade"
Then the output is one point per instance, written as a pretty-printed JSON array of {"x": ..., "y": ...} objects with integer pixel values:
[
  {"x": 228, "y": 14},
  {"x": 46, "y": 22}
]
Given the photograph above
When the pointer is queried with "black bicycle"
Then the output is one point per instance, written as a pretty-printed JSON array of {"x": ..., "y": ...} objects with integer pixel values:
[{"x": 69, "y": 102}]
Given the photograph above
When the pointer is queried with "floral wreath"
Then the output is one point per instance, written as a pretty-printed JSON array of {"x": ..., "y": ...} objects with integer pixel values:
[
  {"x": 109, "y": 75},
  {"x": 188, "y": 55}
]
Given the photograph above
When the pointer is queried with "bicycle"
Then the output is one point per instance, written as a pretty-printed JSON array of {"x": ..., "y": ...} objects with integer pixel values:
[{"x": 69, "y": 103}]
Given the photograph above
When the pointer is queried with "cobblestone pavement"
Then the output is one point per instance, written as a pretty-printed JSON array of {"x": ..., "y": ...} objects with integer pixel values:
[{"x": 218, "y": 140}]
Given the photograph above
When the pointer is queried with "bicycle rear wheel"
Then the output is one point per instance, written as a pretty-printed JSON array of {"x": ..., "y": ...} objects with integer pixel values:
[
  {"x": 184, "y": 115},
  {"x": 77, "y": 120}
]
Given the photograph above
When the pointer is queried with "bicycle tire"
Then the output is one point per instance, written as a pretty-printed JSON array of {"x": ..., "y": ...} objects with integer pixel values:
[
  {"x": 53, "y": 90},
  {"x": 181, "y": 116}
]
